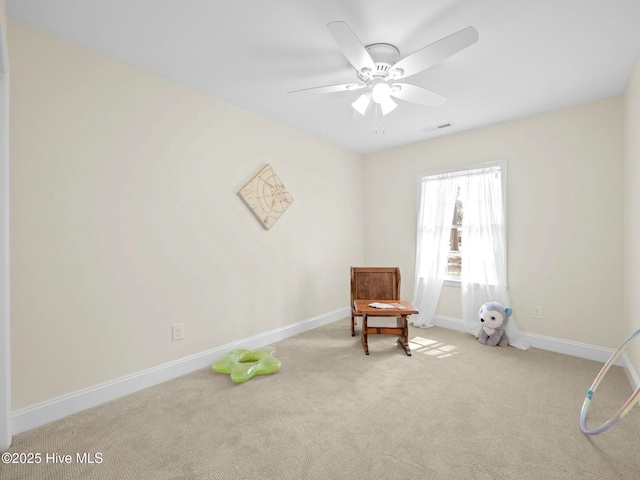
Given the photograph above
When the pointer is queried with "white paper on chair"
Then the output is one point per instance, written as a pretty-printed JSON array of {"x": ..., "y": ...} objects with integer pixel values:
[{"x": 384, "y": 305}]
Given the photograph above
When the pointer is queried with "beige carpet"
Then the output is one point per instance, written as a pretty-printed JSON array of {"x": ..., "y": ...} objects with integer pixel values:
[{"x": 454, "y": 410}]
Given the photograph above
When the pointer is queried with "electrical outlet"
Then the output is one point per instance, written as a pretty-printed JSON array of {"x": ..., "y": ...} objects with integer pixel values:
[
  {"x": 334, "y": 294},
  {"x": 177, "y": 331},
  {"x": 536, "y": 311}
]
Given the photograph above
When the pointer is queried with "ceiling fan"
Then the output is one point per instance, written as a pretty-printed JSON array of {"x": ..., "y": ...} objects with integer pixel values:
[{"x": 379, "y": 68}]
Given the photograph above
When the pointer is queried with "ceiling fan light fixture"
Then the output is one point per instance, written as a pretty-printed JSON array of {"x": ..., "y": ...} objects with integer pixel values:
[
  {"x": 361, "y": 105},
  {"x": 387, "y": 106},
  {"x": 381, "y": 91}
]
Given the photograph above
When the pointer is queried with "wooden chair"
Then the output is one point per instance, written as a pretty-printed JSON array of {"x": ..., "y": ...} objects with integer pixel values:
[{"x": 369, "y": 283}]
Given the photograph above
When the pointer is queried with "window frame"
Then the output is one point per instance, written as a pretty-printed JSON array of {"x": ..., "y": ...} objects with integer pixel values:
[{"x": 452, "y": 280}]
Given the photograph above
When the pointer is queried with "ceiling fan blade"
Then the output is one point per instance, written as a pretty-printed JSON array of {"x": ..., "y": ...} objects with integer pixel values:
[
  {"x": 344, "y": 87},
  {"x": 434, "y": 53},
  {"x": 415, "y": 94},
  {"x": 351, "y": 46}
]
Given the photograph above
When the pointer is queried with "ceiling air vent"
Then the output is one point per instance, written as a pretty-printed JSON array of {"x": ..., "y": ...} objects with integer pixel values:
[{"x": 436, "y": 127}]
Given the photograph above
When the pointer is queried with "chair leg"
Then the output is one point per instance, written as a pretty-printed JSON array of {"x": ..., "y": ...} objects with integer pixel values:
[
  {"x": 353, "y": 328},
  {"x": 403, "y": 340},
  {"x": 364, "y": 340}
]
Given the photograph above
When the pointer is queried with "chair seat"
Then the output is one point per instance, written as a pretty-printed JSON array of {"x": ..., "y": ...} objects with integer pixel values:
[{"x": 399, "y": 310}]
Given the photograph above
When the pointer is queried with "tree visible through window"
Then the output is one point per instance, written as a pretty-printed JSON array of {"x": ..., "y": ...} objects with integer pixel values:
[{"x": 454, "y": 259}]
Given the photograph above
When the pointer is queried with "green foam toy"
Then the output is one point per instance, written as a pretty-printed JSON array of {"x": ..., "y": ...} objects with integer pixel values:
[{"x": 244, "y": 364}]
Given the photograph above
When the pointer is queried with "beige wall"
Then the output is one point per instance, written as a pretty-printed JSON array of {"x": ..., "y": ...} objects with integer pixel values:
[
  {"x": 565, "y": 215},
  {"x": 632, "y": 213},
  {"x": 125, "y": 220}
]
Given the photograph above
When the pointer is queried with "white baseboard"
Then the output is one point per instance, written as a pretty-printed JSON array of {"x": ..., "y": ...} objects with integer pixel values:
[
  {"x": 57, "y": 408},
  {"x": 575, "y": 349},
  {"x": 448, "y": 322},
  {"x": 566, "y": 347}
]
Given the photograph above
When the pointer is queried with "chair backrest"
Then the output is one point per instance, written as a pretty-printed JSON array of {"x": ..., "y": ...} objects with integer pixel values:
[{"x": 375, "y": 283}]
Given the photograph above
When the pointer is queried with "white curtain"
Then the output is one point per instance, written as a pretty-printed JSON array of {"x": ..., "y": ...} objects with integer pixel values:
[
  {"x": 484, "y": 269},
  {"x": 435, "y": 211}
]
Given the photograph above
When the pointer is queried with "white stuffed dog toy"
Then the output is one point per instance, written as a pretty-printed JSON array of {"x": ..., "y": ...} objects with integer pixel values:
[{"x": 494, "y": 319}]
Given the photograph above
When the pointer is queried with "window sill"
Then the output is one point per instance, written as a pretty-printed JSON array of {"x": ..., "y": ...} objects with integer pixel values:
[{"x": 456, "y": 283}]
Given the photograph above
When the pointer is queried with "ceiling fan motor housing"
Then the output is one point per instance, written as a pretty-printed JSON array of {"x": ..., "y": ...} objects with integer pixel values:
[{"x": 384, "y": 57}]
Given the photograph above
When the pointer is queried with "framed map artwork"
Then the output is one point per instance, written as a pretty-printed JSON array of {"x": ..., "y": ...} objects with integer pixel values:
[{"x": 266, "y": 196}]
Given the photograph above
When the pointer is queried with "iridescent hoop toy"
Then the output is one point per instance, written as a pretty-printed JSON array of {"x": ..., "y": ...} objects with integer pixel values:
[{"x": 625, "y": 408}]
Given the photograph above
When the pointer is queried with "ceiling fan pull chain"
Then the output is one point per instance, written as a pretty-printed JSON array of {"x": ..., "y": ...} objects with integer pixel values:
[
  {"x": 375, "y": 105},
  {"x": 381, "y": 117}
]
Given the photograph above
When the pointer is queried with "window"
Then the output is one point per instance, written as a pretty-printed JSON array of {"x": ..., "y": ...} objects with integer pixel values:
[
  {"x": 462, "y": 193},
  {"x": 461, "y": 240}
]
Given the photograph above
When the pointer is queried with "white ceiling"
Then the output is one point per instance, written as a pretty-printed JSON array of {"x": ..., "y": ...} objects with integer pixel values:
[{"x": 531, "y": 56}]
